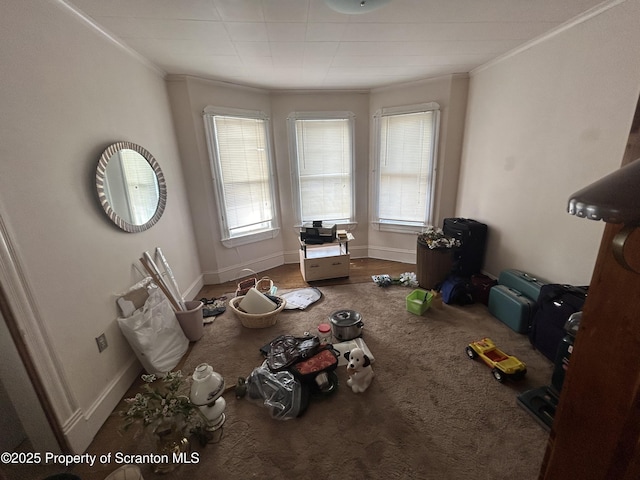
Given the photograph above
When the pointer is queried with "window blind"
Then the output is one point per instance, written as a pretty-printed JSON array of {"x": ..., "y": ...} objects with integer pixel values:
[
  {"x": 405, "y": 167},
  {"x": 324, "y": 168},
  {"x": 243, "y": 163}
]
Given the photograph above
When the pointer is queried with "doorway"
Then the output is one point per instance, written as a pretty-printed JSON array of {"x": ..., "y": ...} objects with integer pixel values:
[{"x": 25, "y": 423}]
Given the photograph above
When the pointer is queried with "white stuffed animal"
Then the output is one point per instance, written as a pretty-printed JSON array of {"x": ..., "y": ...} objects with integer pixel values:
[{"x": 359, "y": 370}]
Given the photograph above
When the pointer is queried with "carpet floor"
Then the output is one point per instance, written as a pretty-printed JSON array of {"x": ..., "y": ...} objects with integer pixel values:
[{"x": 430, "y": 413}]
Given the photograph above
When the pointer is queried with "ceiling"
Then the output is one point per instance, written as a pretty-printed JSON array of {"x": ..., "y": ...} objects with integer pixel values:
[{"x": 303, "y": 44}]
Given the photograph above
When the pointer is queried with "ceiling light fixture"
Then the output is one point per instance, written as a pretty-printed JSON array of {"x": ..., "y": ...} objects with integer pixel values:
[
  {"x": 613, "y": 199},
  {"x": 353, "y": 7}
]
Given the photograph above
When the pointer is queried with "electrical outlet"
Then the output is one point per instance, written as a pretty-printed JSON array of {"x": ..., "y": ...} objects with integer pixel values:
[{"x": 102, "y": 342}]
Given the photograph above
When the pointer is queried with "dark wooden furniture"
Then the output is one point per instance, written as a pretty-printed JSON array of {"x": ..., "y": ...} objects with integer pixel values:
[{"x": 432, "y": 265}]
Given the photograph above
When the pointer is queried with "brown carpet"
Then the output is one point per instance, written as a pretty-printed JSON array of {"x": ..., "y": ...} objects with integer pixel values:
[{"x": 430, "y": 413}]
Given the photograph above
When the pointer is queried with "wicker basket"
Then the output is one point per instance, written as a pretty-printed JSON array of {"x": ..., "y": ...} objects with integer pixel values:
[
  {"x": 264, "y": 285},
  {"x": 256, "y": 320}
]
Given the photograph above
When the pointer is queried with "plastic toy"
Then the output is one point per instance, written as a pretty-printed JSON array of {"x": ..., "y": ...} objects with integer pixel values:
[
  {"x": 502, "y": 366},
  {"x": 359, "y": 370}
]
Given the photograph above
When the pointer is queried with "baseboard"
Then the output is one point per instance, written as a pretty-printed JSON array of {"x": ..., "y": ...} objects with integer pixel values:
[
  {"x": 194, "y": 288},
  {"x": 392, "y": 254},
  {"x": 234, "y": 272},
  {"x": 359, "y": 252},
  {"x": 82, "y": 427},
  {"x": 266, "y": 263}
]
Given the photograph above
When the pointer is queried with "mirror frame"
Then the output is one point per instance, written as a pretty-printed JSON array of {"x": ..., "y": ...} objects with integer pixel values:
[{"x": 102, "y": 196}]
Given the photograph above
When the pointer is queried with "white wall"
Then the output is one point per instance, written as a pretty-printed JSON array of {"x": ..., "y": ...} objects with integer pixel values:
[
  {"x": 66, "y": 93},
  {"x": 541, "y": 124},
  {"x": 450, "y": 92},
  {"x": 189, "y": 97}
]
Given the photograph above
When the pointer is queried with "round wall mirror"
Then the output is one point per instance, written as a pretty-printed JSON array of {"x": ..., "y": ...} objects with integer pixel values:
[{"x": 131, "y": 186}]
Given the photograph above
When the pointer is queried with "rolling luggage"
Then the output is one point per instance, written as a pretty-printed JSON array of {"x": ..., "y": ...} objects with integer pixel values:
[
  {"x": 542, "y": 402},
  {"x": 511, "y": 307},
  {"x": 480, "y": 287},
  {"x": 554, "y": 307},
  {"x": 523, "y": 282},
  {"x": 469, "y": 257}
]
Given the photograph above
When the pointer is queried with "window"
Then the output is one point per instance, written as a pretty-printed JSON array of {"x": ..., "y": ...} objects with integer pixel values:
[
  {"x": 241, "y": 165},
  {"x": 405, "y": 158},
  {"x": 321, "y": 148}
]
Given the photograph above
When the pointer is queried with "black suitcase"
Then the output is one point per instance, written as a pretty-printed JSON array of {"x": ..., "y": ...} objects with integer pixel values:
[
  {"x": 469, "y": 257},
  {"x": 552, "y": 310}
]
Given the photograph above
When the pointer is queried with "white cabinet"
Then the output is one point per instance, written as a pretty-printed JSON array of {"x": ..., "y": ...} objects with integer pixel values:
[{"x": 327, "y": 260}]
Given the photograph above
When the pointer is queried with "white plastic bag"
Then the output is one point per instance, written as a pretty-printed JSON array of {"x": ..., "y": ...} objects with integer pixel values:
[{"x": 155, "y": 334}]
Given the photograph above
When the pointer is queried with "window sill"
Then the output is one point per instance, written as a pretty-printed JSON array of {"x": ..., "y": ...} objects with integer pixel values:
[
  {"x": 397, "y": 227},
  {"x": 250, "y": 238}
]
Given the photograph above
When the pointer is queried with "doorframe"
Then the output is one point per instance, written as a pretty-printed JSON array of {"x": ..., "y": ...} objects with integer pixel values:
[{"x": 31, "y": 338}]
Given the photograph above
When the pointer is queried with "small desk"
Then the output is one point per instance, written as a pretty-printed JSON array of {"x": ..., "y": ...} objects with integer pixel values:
[{"x": 325, "y": 260}]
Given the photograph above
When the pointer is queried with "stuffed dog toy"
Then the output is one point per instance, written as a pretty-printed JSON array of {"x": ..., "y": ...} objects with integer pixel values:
[{"x": 359, "y": 370}]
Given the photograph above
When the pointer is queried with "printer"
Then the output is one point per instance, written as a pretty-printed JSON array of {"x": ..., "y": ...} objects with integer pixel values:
[{"x": 318, "y": 233}]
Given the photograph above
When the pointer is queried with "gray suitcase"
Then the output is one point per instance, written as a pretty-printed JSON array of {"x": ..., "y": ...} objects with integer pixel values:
[
  {"x": 511, "y": 307},
  {"x": 523, "y": 282}
]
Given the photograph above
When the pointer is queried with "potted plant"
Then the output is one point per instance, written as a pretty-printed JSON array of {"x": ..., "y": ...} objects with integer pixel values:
[
  {"x": 164, "y": 407},
  {"x": 434, "y": 237}
]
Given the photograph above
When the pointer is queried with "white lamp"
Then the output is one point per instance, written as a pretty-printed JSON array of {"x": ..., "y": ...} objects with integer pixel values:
[
  {"x": 351, "y": 7},
  {"x": 206, "y": 393}
]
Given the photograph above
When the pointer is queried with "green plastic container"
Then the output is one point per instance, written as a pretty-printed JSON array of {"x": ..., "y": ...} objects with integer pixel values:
[{"x": 419, "y": 301}]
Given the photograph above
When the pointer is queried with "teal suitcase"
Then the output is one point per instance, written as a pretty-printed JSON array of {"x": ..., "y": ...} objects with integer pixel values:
[
  {"x": 523, "y": 282},
  {"x": 511, "y": 307}
]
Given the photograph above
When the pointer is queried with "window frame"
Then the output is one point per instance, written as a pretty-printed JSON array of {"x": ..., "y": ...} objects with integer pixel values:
[
  {"x": 400, "y": 226},
  {"x": 229, "y": 240},
  {"x": 293, "y": 157}
]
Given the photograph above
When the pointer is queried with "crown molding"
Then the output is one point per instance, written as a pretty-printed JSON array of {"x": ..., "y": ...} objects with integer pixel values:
[
  {"x": 583, "y": 17},
  {"x": 84, "y": 18}
]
